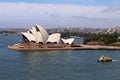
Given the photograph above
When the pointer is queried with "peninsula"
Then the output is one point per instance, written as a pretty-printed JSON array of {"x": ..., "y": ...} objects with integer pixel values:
[{"x": 37, "y": 38}]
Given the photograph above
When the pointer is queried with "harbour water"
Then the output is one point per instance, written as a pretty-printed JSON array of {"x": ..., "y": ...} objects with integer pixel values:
[{"x": 56, "y": 65}]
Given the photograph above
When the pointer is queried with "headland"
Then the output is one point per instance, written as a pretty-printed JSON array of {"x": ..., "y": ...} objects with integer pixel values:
[
  {"x": 37, "y": 38},
  {"x": 33, "y": 46}
]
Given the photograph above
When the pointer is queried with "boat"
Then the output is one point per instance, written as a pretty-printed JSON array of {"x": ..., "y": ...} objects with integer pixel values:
[{"x": 104, "y": 59}]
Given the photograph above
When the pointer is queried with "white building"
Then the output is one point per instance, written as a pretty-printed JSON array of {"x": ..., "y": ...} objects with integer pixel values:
[
  {"x": 68, "y": 41},
  {"x": 38, "y": 34}
]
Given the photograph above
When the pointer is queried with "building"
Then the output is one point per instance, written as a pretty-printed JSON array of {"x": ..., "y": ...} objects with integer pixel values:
[{"x": 38, "y": 38}]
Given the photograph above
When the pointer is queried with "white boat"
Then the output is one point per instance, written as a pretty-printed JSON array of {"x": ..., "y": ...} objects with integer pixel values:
[{"x": 104, "y": 59}]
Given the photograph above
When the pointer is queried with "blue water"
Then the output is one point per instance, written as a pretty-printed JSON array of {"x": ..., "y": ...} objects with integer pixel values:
[{"x": 56, "y": 65}]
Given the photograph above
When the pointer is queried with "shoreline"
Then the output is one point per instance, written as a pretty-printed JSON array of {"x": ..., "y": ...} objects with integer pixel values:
[
  {"x": 100, "y": 47},
  {"x": 82, "y": 47}
]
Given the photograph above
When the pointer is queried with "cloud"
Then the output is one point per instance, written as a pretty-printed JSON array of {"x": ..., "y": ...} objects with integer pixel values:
[
  {"x": 111, "y": 10},
  {"x": 29, "y": 9},
  {"x": 55, "y": 15},
  {"x": 52, "y": 15},
  {"x": 81, "y": 1}
]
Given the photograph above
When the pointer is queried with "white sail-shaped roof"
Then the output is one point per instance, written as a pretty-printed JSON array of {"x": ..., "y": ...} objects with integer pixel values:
[
  {"x": 29, "y": 36},
  {"x": 43, "y": 32},
  {"x": 69, "y": 40},
  {"x": 54, "y": 38},
  {"x": 33, "y": 30},
  {"x": 26, "y": 35},
  {"x": 37, "y": 35},
  {"x": 32, "y": 37}
]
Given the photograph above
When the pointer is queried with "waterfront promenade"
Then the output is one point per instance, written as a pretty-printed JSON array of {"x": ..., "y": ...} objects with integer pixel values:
[
  {"x": 80, "y": 47},
  {"x": 99, "y": 47}
]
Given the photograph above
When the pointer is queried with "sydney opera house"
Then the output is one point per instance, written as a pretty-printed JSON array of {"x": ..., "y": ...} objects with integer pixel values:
[{"x": 37, "y": 38}]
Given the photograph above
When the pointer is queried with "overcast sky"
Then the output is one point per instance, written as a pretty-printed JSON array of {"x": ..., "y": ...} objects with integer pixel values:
[{"x": 59, "y": 13}]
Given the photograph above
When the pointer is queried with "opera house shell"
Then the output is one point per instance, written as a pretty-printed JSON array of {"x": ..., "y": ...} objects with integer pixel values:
[
  {"x": 54, "y": 38},
  {"x": 68, "y": 41},
  {"x": 36, "y": 34},
  {"x": 37, "y": 38}
]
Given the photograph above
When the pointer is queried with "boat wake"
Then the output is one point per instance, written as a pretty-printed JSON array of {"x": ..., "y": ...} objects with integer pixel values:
[{"x": 115, "y": 60}]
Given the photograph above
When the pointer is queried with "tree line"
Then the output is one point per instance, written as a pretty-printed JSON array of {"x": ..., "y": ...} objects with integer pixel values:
[{"x": 104, "y": 39}]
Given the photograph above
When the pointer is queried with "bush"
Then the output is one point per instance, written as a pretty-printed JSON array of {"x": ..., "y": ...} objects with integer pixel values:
[{"x": 101, "y": 38}]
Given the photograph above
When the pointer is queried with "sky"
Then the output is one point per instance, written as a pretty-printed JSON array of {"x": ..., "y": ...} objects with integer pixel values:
[{"x": 59, "y": 13}]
